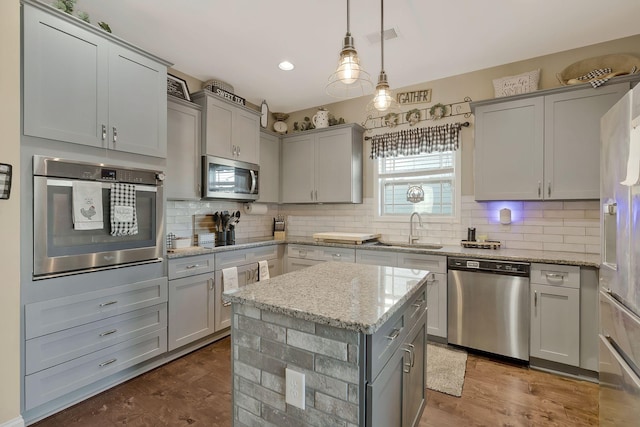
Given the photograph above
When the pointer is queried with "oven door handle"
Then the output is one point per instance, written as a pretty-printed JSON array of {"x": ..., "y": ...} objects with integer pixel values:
[
  {"x": 51, "y": 182},
  {"x": 254, "y": 182}
]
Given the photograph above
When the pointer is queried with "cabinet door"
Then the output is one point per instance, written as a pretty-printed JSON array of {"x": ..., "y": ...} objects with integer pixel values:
[
  {"x": 572, "y": 141},
  {"x": 297, "y": 168},
  {"x": 217, "y": 128},
  {"x": 333, "y": 154},
  {"x": 269, "y": 168},
  {"x": 246, "y": 136},
  {"x": 555, "y": 323},
  {"x": 183, "y": 151},
  {"x": 415, "y": 379},
  {"x": 437, "y": 305},
  {"x": 374, "y": 257},
  {"x": 508, "y": 158},
  {"x": 191, "y": 309},
  {"x": 137, "y": 103},
  {"x": 65, "y": 80},
  {"x": 385, "y": 394}
]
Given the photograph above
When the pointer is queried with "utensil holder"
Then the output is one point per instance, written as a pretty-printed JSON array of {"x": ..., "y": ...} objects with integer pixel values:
[
  {"x": 231, "y": 237},
  {"x": 221, "y": 238}
]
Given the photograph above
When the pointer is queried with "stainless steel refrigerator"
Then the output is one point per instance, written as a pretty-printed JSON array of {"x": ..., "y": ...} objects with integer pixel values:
[{"x": 620, "y": 265}]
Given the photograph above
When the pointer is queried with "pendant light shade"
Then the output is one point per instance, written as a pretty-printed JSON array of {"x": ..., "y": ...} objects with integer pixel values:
[
  {"x": 382, "y": 100},
  {"x": 349, "y": 79}
]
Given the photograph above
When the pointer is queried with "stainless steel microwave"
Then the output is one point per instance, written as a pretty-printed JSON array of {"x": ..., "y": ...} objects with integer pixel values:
[{"x": 229, "y": 179}]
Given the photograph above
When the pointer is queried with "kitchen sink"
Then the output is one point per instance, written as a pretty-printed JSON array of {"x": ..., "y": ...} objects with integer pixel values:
[{"x": 409, "y": 245}]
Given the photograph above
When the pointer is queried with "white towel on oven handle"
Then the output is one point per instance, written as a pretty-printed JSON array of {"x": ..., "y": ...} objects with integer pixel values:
[
  {"x": 263, "y": 270},
  {"x": 229, "y": 279},
  {"x": 87, "y": 205},
  {"x": 124, "y": 220}
]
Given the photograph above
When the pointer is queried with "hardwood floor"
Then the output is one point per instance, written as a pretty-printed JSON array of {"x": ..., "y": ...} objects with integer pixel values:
[{"x": 196, "y": 390}]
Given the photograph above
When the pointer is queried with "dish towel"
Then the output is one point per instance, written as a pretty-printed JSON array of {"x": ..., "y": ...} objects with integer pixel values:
[
  {"x": 87, "y": 205},
  {"x": 229, "y": 279},
  {"x": 124, "y": 221},
  {"x": 263, "y": 270}
]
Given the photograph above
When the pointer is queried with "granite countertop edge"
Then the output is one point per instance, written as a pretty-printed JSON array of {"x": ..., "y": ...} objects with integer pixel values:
[{"x": 523, "y": 255}]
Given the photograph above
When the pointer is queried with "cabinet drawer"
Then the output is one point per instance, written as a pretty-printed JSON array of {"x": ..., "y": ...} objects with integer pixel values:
[
  {"x": 335, "y": 254},
  {"x": 53, "y": 349},
  {"x": 302, "y": 251},
  {"x": 374, "y": 257},
  {"x": 62, "y": 313},
  {"x": 190, "y": 266},
  {"x": 556, "y": 275},
  {"x": 52, "y": 383},
  {"x": 433, "y": 263},
  {"x": 245, "y": 256},
  {"x": 382, "y": 344}
]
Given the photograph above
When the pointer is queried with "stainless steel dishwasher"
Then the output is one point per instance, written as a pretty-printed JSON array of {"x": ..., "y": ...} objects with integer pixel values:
[{"x": 488, "y": 306}]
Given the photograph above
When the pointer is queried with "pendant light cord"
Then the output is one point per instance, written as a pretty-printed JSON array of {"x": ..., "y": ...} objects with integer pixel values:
[
  {"x": 382, "y": 33},
  {"x": 348, "y": 19}
]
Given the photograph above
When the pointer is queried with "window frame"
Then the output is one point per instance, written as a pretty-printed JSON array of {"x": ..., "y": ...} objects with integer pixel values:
[{"x": 442, "y": 219}]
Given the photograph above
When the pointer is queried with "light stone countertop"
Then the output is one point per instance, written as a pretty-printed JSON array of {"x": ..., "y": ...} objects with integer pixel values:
[
  {"x": 349, "y": 296},
  {"x": 524, "y": 255}
]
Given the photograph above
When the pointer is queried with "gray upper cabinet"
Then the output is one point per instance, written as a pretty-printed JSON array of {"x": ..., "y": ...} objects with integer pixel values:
[
  {"x": 183, "y": 150},
  {"x": 82, "y": 85},
  {"x": 541, "y": 147},
  {"x": 269, "y": 168},
  {"x": 229, "y": 130},
  {"x": 323, "y": 166}
]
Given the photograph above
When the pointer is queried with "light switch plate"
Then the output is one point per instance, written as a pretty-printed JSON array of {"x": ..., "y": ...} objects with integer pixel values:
[{"x": 294, "y": 388}]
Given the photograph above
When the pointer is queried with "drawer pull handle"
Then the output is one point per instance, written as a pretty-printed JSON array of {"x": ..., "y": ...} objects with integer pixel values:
[
  {"x": 555, "y": 276},
  {"x": 413, "y": 349},
  {"x": 337, "y": 255},
  {"x": 432, "y": 279},
  {"x": 108, "y": 362},
  {"x": 104, "y": 304},
  {"x": 190, "y": 266},
  {"x": 407, "y": 366},
  {"x": 535, "y": 298},
  {"x": 226, "y": 304},
  {"x": 105, "y": 333},
  {"x": 394, "y": 334}
]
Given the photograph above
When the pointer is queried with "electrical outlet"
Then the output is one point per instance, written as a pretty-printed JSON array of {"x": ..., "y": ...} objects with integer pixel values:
[{"x": 294, "y": 388}]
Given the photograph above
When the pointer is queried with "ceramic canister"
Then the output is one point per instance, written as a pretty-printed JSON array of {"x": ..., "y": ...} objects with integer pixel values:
[{"x": 321, "y": 119}]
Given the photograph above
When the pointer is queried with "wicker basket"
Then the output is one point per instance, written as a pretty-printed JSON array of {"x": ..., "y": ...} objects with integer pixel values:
[
  {"x": 210, "y": 84},
  {"x": 619, "y": 63}
]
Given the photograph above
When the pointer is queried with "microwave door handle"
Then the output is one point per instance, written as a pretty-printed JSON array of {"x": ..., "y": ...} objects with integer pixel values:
[{"x": 254, "y": 182}]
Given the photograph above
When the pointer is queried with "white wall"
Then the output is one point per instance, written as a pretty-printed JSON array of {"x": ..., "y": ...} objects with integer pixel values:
[{"x": 10, "y": 214}]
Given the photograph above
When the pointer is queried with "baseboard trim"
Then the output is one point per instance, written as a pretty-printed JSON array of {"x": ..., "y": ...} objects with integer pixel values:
[{"x": 16, "y": 422}]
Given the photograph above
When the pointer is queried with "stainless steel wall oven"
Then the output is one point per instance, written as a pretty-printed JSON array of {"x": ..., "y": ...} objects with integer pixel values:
[{"x": 63, "y": 245}]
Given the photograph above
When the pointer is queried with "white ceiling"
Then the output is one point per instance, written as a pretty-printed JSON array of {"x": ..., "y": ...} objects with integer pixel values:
[{"x": 242, "y": 41}]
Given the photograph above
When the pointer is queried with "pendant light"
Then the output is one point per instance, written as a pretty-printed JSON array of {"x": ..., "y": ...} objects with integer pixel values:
[
  {"x": 349, "y": 79},
  {"x": 382, "y": 100}
]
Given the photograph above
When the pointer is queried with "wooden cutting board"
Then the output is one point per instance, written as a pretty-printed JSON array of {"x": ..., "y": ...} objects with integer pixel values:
[{"x": 337, "y": 237}]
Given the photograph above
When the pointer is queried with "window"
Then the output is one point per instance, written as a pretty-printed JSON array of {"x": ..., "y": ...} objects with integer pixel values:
[{"x": 434, "y": 172}]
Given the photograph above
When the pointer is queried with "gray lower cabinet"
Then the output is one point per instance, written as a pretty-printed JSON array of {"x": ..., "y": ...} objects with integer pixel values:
[
  {"x": 322, "y": 166},
  {"x": 191, "y": 299},
  {"x": 546, "y": 142},
  {"x": 74, "y": 341},
  {"x": 555, "y": 313},
  {"x": 183, "y": 178},
  {"x": 246, "y": 263},
  {"x": 396, "y": 395},
  {"x": 82, "y": 85},
  {"x": 436, "y": 283}
]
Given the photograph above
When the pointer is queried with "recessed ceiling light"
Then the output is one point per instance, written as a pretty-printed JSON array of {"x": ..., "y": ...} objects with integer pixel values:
[{"x": 286, "y": 66}]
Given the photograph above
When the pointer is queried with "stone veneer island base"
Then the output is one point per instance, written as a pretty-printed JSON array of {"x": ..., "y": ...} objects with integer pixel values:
[{"x": 356, "y": 332}]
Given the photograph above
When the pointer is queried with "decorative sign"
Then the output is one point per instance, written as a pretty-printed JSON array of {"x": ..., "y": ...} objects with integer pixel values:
[
  {"x": 228, "y": 95},
  {"x": 415, "y": 97}
]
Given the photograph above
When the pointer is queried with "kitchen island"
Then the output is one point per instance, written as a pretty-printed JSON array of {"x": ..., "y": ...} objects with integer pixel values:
[{"x": 356, "y": 332}]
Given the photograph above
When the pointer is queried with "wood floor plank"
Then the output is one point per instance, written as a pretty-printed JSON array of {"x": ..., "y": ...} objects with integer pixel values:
[{"x": 195, "y": 390}]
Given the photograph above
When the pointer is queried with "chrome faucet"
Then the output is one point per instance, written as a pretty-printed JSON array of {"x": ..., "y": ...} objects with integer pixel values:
[{"x": 412, "y": 238}]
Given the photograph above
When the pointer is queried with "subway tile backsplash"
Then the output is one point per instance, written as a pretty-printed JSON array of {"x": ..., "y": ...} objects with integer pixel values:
[{"x": 571, "y": 226}]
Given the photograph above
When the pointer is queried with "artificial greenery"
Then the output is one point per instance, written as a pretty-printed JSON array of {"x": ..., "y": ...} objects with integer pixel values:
[{"x": 68, "y": 6}]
